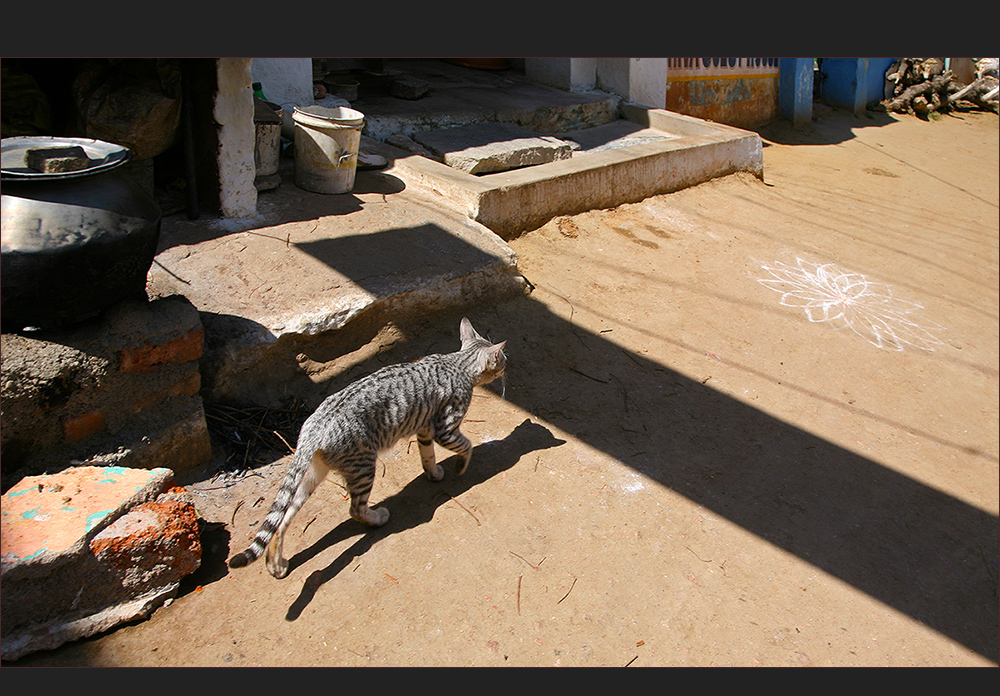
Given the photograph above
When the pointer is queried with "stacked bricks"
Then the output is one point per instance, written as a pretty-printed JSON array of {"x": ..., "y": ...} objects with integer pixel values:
[
  {"x": 122, "y": 389},
  {"x": 89, "y": 548}
]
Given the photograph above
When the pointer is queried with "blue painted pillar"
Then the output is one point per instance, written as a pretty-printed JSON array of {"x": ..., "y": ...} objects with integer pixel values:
[
  {"x": 853, "y": 83},
  {"x": 795, "y": 89},
  {"x": 840, "y": 82}
]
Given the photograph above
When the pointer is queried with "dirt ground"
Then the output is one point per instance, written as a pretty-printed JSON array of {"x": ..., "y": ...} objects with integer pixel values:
[{"x": 750, "y": 423}]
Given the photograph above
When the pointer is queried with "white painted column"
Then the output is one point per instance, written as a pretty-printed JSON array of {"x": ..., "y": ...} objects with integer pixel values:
[
  {"x": 571, "y": 74},
  {"x": 233, "y": 113},
  {"x": 638, "y": 80},
  {"x": 648, "y": 82}
]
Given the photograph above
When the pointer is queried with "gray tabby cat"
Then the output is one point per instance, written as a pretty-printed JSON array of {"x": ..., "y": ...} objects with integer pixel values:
[{"x": 428, "y": 398}]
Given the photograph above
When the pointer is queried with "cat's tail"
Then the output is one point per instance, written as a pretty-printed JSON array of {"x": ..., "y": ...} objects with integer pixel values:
[{"x": 274, "y": 516}]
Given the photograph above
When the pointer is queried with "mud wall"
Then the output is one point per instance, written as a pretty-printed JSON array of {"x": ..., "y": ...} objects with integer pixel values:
[{"x": 741, "y": 92}]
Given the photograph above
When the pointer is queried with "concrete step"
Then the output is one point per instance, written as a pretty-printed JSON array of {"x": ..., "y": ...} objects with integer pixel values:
[
  {"x": 459, "y": 96},
  {"x": 645, "y": 153},
  {"x": 315, "y": 276}
]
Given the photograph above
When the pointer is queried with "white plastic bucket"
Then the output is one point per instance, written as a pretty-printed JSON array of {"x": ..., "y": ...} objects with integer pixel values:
[{"x": 326, "y": 148}]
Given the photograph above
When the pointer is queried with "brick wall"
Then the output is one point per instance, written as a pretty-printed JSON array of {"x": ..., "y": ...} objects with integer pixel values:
[{"x": 121, "y": 389}]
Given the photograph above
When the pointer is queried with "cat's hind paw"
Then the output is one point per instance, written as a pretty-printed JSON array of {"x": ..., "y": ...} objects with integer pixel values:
[
  {"x": 279, "y": 568},
  {"x": 436, "y": 473}
]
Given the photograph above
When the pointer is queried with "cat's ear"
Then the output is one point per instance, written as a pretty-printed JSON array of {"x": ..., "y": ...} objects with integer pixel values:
[
  {"x": 496, "y": 353},
  {"x": 468, "y": 333}
]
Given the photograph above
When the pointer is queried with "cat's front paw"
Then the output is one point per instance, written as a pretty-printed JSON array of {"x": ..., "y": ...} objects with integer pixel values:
[{"x": 379, "y": 516}]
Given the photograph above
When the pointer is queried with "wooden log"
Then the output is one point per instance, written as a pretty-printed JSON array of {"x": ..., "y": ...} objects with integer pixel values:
[{"x": 934, "y": 86}]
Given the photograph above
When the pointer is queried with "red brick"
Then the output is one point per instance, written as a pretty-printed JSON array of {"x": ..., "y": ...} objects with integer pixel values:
[
  {"x": 148, "y": 357},
  {"x": 152, "y": 537},
  {"x": 187, "y": 386},
  {"x": 84, "y": 426}
]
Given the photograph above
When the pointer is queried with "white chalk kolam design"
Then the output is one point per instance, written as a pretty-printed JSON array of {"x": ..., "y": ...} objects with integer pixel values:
[{"x": 849, "y": 300}]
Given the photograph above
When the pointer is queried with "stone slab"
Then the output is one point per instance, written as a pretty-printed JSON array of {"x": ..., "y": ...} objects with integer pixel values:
[
  {"x": 406, "y": 87},
  {"x": 492, "y": 147},
  {"x": 314, "y": 275},
  {"x": 49, "y": 518},
  {"x": 89, "y": 548}
]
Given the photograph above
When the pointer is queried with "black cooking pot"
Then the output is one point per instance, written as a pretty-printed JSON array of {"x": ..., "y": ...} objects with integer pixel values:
[{"x": 79, "y": 233}]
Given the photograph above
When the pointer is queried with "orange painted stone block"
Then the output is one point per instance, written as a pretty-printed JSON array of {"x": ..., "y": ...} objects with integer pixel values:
[
  {"x": 43, "y": 517},
  {"x": 88, "y": 549},
  {"x": 150, "y": 535}
]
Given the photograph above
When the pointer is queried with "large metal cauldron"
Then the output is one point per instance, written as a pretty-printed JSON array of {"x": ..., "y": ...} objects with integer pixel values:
[{"x": 77, "y": 237}]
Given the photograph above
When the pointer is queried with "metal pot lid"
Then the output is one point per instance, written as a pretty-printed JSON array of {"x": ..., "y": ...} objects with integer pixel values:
[{"x": 14, "y": 153}]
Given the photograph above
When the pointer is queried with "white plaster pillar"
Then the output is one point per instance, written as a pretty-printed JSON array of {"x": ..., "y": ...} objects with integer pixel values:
[
  {"x": 612, "y": 76},
  {"x": 648, "y": 82},
  {"x": 571, "y": 74},
  {"x": 637, "y": 80},
  {"x": 233, "y": 112}
]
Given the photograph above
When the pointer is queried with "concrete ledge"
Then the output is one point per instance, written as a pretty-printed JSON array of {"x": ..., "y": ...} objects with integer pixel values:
[
  {"x": 509, "y": 203},
  {"x": 329, "y": 274}
]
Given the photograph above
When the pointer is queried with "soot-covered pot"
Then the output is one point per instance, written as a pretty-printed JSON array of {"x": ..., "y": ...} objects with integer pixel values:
[{"x": 78, "y": 232}]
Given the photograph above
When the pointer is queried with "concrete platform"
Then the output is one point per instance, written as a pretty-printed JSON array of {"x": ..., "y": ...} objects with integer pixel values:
[
  {"x": 645, "y": 153},
  {"x": 459, "y": 96}
]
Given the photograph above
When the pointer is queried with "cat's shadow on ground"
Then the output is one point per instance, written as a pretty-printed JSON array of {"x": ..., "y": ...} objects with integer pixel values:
[{"x": 416, "y": 504}]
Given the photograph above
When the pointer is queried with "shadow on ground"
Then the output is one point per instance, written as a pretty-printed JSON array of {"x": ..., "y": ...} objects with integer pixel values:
[
  {"x": 416, "y": 503},
  {"x": 910, "y": 546},
  {"x": 292, "y": 205},
  {"x": 836, "y": 126}
]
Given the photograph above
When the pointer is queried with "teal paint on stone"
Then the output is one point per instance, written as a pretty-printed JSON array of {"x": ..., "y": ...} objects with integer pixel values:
[
  {"x": 95, "y": 517},
  {"x": 29, "y": 489}
]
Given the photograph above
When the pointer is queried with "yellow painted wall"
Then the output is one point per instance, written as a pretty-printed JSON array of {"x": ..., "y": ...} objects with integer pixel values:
[{"x": 741, "y": 92}]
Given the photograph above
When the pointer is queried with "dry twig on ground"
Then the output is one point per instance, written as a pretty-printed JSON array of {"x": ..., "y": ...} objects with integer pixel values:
[{"x": 253, "y": 434}]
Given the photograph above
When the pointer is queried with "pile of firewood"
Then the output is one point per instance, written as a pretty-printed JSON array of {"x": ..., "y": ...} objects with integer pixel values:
[{"x": 923, "y": 86}]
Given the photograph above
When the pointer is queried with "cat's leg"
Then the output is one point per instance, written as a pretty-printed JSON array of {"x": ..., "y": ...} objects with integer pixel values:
[
  {"x": 425, "y": 441},
  {"x": 458, "y": 443},
  {"x": 359, "y": 472},
  {"x": 311, "y": 477}
]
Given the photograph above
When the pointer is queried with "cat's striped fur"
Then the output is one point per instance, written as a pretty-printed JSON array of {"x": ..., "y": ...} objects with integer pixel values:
[{"x": 428, "y": 398}]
